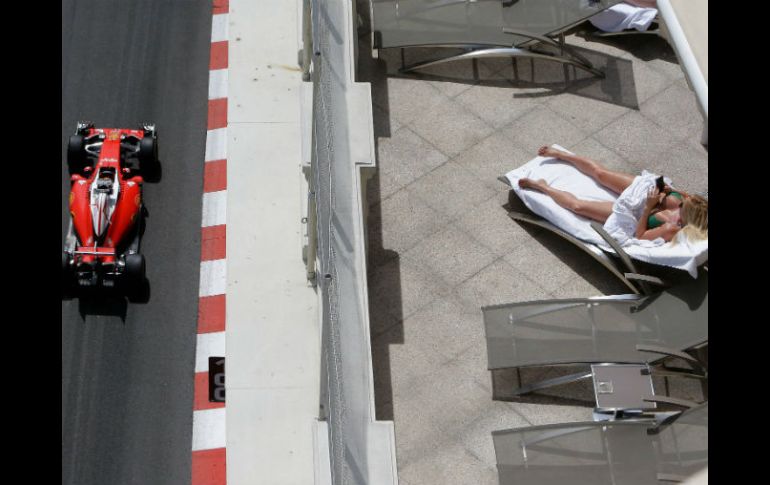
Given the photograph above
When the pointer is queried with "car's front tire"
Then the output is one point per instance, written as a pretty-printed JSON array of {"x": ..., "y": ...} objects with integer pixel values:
[
  {"x": 76, "y": 154},
  {"x": 149, "y": 165}
]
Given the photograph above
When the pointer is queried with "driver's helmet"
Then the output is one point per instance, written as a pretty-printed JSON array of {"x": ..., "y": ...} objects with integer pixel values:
[{"x": 105, "y": 180}]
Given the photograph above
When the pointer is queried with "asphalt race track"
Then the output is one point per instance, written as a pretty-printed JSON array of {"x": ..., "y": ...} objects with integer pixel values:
[{"x": 127, "y": 368}]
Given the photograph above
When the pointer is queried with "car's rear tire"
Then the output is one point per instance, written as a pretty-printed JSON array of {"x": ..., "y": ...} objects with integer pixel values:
[
  {"x": 135, "y": 282},
  {"x": 135, "y": 268},
  {"x": 76, "y": 154}
]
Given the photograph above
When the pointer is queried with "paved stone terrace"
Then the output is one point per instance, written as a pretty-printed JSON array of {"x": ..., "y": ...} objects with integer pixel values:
[{"x": 441, "y": 244}]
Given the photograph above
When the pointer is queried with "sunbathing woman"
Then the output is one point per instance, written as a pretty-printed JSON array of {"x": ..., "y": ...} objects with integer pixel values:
[{"x": 663, "y": 214}]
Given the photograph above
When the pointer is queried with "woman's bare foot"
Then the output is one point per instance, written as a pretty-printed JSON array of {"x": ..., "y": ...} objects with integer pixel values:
[
  {"x": 546, "y": 151},
  {"x": 526, "y": 183}
]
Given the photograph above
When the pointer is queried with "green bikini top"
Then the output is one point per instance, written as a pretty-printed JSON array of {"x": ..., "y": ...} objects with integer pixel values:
[{"x": 652, "y": 221}]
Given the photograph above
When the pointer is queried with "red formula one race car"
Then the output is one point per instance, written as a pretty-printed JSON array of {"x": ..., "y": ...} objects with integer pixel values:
[{"x": 108, "y": 168}]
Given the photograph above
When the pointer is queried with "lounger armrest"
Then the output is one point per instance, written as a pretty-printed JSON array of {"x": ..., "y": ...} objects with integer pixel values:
[
  {"x": 621, "y": 254},
  {"x": 667, "y": 351},
  {"x": 673, "y": 401},
  {"x": 697, "y": 365},
  {"x": 614, "y": 245},
  {"x": 646, "y": 278},
  {"x": 530, "y": 218}
]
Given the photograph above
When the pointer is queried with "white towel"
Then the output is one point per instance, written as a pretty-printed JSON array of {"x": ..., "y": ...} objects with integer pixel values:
[
  {"x": 627, "y": 211},
  {"x": 623, "y": 16},
  {"x": 685, "y": 255}
]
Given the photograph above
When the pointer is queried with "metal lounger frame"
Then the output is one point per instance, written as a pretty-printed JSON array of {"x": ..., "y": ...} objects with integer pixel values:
[
  {"x": 632, "y": 452},
  {"x": 524, "y": 43},
  {"x": 656, "y": 334}
]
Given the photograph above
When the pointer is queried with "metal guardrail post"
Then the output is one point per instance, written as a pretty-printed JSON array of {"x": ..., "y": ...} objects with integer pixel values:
[
  {"x": 306, "y": 54},
  {"x": 312, "y": 236}
]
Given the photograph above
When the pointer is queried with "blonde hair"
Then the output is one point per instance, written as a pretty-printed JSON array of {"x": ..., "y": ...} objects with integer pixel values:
[{"x": 695, "y": 216}]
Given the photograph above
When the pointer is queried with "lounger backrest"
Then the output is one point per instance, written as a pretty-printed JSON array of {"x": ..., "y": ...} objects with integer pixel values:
[
  {"x": 409, "y": 23},
  {"x": 597, "y": 330},
  {"x": 577, "y": 454},
  {"x": 603, "y": 453}
]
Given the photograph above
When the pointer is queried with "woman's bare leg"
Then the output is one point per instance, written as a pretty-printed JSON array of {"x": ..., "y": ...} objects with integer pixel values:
[
  {"x": 615, "y": 181},
  {"x": 598, "y": 211}
]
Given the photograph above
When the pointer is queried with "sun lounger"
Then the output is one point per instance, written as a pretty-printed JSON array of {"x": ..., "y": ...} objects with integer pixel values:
[
  {"x": 641, "y": 452},
  {"x": 484, "y": 28},
  {"x": 625, "y": 330},
  {"x": 589, "y": 235}
]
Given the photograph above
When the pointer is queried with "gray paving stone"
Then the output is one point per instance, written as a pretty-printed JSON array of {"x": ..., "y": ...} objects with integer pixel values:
[
  {"x": 489, "y": 224},
  {"x": 441, "y": 409},
  {"x": 477, "y": 437},
  {"x": 451, "y": 190},
  {"x": 676, "y": 111},
  {"x": 637, "y": 139},
  {"x": 548, "y": 260},
  {"x": 450, "y": 466},
  {"x": 657, "y": 54},
  {"x": 497, "y": 105},
  {"x": 496, "y": 284},
  {"x": 415, "y": 98},
  {"x": 399, "y": 223},
  {"x": 384, "y": 124},
  {"x": 494, "y": 156},
  {"x": 400, "y": 363},
  {"x": 451, "y": 256},
  {"x": 538, "y": 413},
  {"x": 474, "y": 361},
  {"x": 380, "y": 319},
  {"x": 687, "y": 165},
  {"x": 450, "y": 127},
  {"x": 542, "y": 126},
  {"x": 401, "y": 287},
  {"x": 648, "y": 81},
  {"x": 444, "y": 329},
  {"x": 595, "y": 281},
  {"x": 590, "y": 115},
  {"x": 404, "y": 158}
]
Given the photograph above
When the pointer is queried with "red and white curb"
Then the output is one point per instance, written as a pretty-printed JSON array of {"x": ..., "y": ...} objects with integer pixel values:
[{"x": 208, "y": 440}]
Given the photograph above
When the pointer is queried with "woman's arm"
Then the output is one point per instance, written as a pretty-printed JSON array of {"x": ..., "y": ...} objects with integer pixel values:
[
  {"x": 667, "y": 231},
  {"x": 654, "y": 198}
]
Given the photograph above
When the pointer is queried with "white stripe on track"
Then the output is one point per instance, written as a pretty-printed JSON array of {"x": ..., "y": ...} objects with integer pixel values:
[
  {"x": 214, "y": 209},
  {"x": 216, "y": 145},
  {"x": 209, "y": 429},
  {"x": 208, "y": 345},
  {"x": 220, "y": 28},
  {"x": 213, "y": 278},
  {"x": 218, "y": 83}
]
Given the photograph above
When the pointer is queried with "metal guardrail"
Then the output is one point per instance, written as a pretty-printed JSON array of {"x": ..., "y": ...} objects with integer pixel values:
[{"x": 361, "y": 450}]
